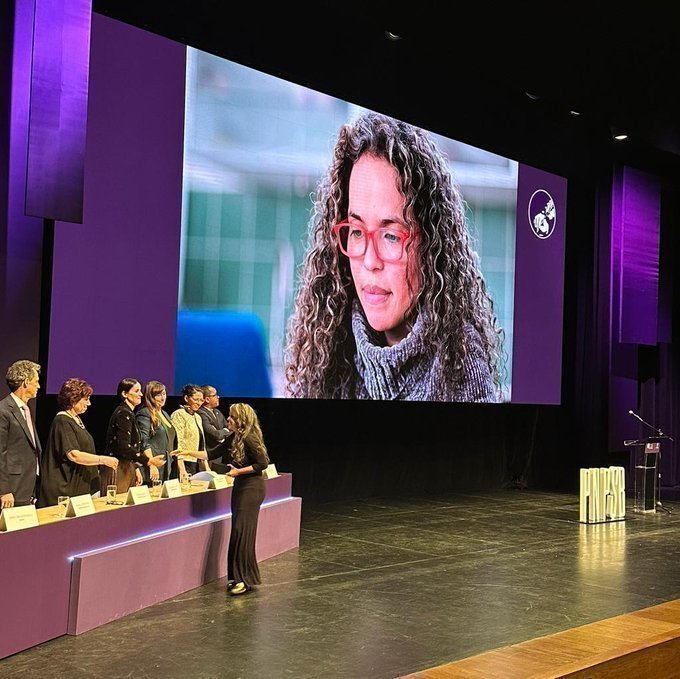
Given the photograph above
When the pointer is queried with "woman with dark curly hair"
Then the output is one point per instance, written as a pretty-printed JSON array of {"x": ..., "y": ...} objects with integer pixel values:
[
  {"x": 70, "y": 462},
  {"x": 190, "y": 436},
  {"x": 248, "y": 460},
  {"x": 391, "y": 302}
]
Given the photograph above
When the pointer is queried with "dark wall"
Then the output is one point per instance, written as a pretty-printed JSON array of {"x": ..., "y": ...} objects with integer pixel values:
[{"x": 342, "y": 449}]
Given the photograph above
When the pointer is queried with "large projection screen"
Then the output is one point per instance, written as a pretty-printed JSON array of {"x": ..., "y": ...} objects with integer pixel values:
[
  {"x": 256, "y": 147},
  {"x": 199, "y": 187}
]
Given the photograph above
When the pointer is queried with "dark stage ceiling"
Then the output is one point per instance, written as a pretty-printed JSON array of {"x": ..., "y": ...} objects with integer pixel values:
[{"x": 494, "y": 71}]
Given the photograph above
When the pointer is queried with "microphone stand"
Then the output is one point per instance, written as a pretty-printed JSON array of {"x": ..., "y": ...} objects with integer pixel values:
[{"x": 659, "y": 433}]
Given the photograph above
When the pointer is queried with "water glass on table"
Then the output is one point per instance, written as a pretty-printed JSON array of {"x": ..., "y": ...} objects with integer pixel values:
[
  {"x": 111, "y": 492},
  {"x": 62, "y": 503}
]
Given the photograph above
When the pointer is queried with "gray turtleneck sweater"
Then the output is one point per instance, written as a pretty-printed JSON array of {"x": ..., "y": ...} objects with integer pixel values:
[{"x": 408, "y": 372}]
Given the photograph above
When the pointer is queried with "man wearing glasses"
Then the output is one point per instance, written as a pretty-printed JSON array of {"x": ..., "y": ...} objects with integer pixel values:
[{"x": 215, "y": 429}]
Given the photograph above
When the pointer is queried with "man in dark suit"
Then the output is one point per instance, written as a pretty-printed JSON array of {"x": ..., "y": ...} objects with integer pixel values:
[
  {"x": 19, "y": 444},
  {"x": 215, "y": 429}
]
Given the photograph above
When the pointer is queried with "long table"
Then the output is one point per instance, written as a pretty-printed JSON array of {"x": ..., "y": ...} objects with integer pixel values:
[{"x": 68, "y": 575}]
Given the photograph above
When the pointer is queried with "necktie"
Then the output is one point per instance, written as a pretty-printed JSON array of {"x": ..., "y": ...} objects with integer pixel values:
[{"x": 29, "y": 422}]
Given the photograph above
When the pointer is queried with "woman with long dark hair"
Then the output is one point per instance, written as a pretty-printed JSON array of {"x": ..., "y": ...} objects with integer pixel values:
[
  {"x": 155, "y": 427},
  {"x": 249, "y": 459},
  {"x": 124, "y": 441}
]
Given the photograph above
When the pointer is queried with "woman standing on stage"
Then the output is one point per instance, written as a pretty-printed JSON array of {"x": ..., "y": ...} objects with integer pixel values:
[
  {"x": 69, "y": 462},
  {"x": 155, "y": 427},
  {"x": 248, "y": 460},
  {"x": 188, "y": 426},
  {"x": 124, "y": 441}
]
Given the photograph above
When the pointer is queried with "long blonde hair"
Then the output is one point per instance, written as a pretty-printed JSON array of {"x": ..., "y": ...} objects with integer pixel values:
[{"x": 247, "y": 432}]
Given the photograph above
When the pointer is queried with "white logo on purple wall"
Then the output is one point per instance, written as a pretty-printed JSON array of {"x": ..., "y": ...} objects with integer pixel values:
[{"x": 542, "y": 214}]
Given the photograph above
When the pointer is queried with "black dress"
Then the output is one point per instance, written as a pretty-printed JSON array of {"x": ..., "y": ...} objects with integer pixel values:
[
  {"x": 246, "y": 497},
  {"x": 61, "y": 476}
]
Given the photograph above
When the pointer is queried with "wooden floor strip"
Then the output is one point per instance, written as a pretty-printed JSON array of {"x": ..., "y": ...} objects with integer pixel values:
[{"x": 644, "y": 643}]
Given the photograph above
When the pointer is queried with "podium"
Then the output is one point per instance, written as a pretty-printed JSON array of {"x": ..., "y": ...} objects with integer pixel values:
[{"x": 647, "y": 454}]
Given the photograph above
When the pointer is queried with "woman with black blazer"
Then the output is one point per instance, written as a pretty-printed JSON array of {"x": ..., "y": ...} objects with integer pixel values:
[{"x": 124, "y": 441}]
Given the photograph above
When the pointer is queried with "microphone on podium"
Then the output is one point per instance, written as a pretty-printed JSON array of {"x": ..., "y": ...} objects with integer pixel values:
[{"x": 655, "y": 429}]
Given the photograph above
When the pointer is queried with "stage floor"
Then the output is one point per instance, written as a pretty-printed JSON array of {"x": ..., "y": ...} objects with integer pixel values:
[{"x": 384, "y": 587}]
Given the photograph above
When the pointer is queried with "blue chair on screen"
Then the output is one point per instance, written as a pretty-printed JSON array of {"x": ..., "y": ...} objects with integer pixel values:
[{"x": 224, "y": 348}]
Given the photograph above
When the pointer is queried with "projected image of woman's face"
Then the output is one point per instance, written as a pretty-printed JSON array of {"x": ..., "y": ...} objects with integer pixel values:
[{"x": 386, "y": 289}]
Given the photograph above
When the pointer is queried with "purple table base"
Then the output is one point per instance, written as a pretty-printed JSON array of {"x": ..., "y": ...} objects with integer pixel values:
[
  {"x": 113, "y": 582},
  {"x": 36, "y": 563}
]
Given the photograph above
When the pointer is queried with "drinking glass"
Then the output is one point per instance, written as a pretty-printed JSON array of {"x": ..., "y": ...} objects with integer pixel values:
[
  {"x": 111, "y": 492},
  {"x": 185, "y": 481},
  {"x": 156, "y": 487},
  {"x": 62, "y": 502}
]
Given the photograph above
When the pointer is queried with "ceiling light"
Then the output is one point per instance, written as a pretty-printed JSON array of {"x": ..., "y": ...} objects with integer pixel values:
[{"x": 618, "y": 134}]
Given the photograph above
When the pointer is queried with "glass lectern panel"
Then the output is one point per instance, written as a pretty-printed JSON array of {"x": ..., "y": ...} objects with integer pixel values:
[{"x": 646, "y": 478}]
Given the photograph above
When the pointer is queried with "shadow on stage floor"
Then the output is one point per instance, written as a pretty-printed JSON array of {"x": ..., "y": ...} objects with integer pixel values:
[{"x": 383, "y": 587}]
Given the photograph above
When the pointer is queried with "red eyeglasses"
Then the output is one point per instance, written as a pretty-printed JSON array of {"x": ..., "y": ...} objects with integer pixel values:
[{"x": 388, "y": 243}]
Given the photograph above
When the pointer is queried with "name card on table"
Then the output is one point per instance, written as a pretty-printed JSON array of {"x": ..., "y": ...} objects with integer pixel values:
[
  {"x": 138, "y": 495},
  {"x": 15, "y": 518},
  {"x": 202, "y": 480},
  {"x": 80, "y": 505},
  {"x": 220, "y": 481},
  {"x": 270, "y": 472},
  {"x": 171, "y": 488}
]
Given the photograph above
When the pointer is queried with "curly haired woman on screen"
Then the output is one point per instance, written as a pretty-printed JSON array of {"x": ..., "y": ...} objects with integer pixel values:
[{"x": 391, "y": 302}]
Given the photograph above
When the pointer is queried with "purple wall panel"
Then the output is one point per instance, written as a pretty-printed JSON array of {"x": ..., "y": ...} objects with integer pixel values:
[
  {"x": 539, "y": 287},
  {"x": 58, "y": 114},
  {"x": 115, "y": 280},
  {"x": 635, "y": 232},
  {"x": 664, "y": 327},
  {"x": 635, "y": 220},
  {"x": 21, "y": 256}
]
